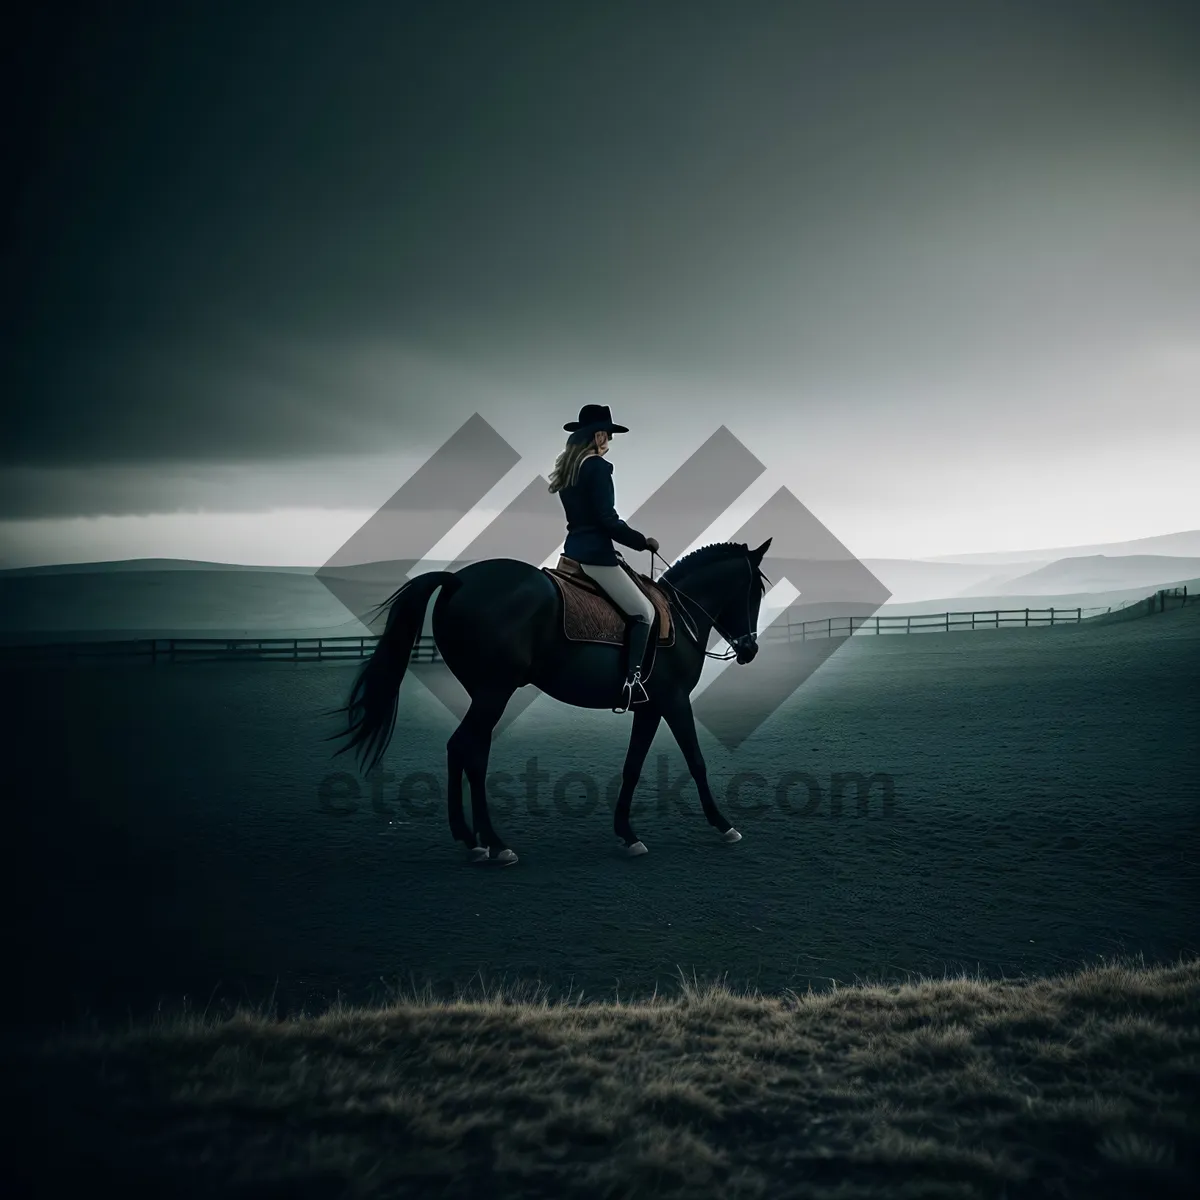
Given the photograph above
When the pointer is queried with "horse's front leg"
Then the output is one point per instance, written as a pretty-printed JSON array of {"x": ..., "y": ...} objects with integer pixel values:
[
  {"x": 645, "y": 724},
  {"x": 682, "y": 724}
]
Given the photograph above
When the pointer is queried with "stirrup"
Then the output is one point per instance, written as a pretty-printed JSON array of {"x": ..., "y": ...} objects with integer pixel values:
[{"x": 633, "y": 692}]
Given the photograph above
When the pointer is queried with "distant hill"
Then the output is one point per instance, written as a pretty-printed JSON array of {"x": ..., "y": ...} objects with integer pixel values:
[
  {"x": 1096, "y": 573},
  {"x": 912, "y": 579},
  {"x": 918, "y": 581},
  {"x": 181, "y": 597},
  {"x": 1089, "y": 601},
  {"x": 131, "y": 603},
  {"x": 1185, "y": 545},
  {"x": 145, "y": 564}
]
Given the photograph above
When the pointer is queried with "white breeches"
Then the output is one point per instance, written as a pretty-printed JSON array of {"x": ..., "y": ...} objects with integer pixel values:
[{"x": 624, "y": 593}]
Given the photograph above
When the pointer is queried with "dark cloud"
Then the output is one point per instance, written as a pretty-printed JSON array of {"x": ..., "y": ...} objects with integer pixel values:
[{"x": 226, "y": 211}]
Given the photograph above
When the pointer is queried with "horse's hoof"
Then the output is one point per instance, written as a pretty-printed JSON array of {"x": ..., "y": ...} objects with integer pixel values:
[
  {"x": 506, "y": 858},
  {"x": 636, "y": 849},
  {"x": 478, "y": 854},
  {"x": 731, "y": 835}
]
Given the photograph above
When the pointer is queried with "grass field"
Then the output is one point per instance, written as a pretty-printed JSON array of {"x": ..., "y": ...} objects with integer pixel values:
[
  {"x": 169, "y": 836},
  {"x": 1083, "y": 1084}
]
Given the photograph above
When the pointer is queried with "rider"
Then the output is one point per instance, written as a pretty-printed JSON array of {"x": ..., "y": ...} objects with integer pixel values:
[{"x": 583, "y": 481}]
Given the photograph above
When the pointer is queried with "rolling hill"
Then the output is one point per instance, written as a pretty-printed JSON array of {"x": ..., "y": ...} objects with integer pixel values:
[
  {"x": 1185, "y": 544},
  {"x": 1091, "y": 573},
  {"x": 179, "y": 597},
  {"x": 173, "y": 602}
]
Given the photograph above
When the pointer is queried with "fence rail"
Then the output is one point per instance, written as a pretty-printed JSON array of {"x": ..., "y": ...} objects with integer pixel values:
[
  {"x": 334, "y": 649},
  {"x": 947, "y": 622},
  {"x": 319, "y": 649}
]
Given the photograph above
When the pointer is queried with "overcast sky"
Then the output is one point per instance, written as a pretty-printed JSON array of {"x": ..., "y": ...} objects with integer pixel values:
[{"x": 937, "y": 266}]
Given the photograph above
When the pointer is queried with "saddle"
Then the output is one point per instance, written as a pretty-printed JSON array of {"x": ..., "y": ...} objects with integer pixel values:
[{"x": 588, "y": 615}]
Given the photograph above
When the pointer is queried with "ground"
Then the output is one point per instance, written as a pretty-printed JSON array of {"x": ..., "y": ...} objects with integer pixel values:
[{"x": 1083, "y": 1084}]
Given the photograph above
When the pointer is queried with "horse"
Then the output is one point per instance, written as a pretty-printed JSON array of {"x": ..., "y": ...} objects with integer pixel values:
[{"x": 497, "y": 626}]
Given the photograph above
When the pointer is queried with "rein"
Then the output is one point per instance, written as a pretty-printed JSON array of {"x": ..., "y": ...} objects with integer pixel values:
[{"x": 686, "y": 617}]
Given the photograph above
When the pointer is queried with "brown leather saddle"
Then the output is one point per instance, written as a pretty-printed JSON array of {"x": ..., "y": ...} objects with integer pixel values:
[{"x": 588, "y": 615}]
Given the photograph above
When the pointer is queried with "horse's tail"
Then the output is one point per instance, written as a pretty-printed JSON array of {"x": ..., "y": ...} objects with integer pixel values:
[{"x": 372, "y": 704}]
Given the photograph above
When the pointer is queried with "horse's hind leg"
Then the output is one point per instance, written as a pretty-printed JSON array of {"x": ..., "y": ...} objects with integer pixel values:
[
  {"x": 454, "y": 795},
  {"x": 471, "y": 743}
]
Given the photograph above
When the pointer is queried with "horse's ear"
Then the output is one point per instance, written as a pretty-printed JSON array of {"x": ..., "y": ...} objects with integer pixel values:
[{"x": 757, "y": 555}]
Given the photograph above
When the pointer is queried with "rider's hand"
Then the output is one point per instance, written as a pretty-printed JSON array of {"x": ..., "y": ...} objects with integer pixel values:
[{"x": 652, "y": 544}]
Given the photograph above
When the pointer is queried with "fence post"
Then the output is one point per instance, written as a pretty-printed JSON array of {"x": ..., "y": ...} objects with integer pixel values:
[
  {"x": 1027, "y": 618},
  {"x": 947, "y": 622}
]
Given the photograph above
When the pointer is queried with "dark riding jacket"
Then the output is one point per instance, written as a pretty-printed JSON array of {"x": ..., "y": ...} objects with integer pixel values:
[{"x": 592, "y": 521}]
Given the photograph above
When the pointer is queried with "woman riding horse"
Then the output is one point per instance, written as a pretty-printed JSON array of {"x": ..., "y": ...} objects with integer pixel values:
[
  {"x": 498, "y": 627},
  {"x": 583, "y": 480}
]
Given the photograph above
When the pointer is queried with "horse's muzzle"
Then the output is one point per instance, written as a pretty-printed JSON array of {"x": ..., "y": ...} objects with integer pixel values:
[{"x": 746, "y": 647}]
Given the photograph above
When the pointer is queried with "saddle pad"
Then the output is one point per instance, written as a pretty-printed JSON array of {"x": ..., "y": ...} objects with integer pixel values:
[{"x": 590, "y": 616}]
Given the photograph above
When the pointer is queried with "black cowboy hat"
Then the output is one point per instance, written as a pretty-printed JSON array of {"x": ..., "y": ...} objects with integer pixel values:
[{"x": 593, "y": 418}]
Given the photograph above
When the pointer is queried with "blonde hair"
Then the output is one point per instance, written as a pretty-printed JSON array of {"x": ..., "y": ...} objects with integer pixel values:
[{"x": 566, "y": 466}]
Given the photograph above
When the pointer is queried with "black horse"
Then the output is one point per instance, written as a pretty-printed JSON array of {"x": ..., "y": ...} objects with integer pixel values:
[{"x": 496, "y": 624}]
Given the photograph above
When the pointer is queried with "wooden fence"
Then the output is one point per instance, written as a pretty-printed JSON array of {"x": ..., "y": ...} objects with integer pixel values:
[
  {"x": 335, "y": 649},
  {"x": 1175, "y": 597},
  {"x": 947, "y": 622},
  {"x": 319, "y": 649}
]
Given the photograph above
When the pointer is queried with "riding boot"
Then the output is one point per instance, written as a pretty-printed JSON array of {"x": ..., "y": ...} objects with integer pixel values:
[{"x": 633, "y": 691}]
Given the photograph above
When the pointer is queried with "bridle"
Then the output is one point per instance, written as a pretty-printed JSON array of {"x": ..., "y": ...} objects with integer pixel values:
[{"x": 686, "y": 617}]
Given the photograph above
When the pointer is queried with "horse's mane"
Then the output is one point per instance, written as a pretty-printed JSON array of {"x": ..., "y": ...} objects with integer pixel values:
[{"x": 707, "y": 554}]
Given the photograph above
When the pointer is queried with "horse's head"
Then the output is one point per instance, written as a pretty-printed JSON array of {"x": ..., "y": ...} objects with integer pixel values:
[
  {"x": 727, "y": 580},
  {"x": 737, "y": 622}
]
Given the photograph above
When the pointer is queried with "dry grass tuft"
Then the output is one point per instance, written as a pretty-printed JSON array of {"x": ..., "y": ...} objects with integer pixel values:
[{"x": 1083, "y": 1084}]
